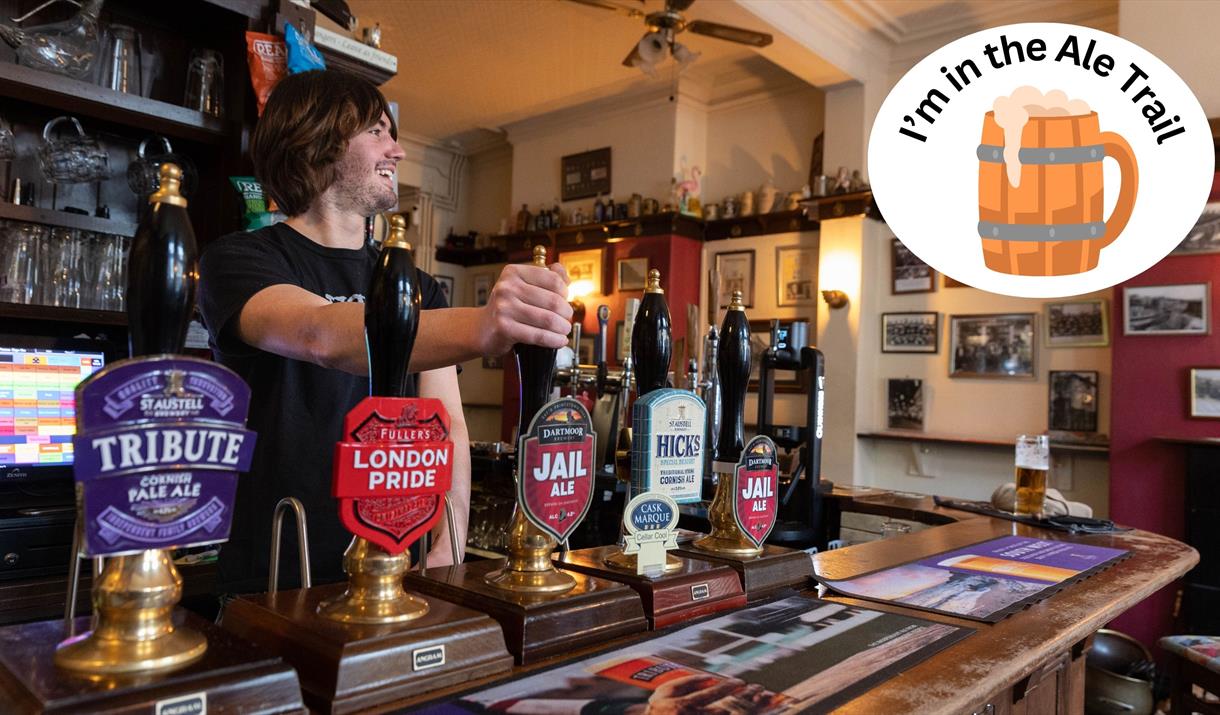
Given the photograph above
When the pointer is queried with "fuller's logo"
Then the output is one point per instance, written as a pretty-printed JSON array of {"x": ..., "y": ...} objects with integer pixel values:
[
  {"x": 555, "y": 468},
  {"x": 391, "y": 477},
  {"x": 755, "y": 488}
]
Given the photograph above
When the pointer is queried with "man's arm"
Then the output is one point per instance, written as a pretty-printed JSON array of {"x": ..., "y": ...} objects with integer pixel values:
[
  {"x": 527, "y": 305},
  {"x": 443, "y": 385}
]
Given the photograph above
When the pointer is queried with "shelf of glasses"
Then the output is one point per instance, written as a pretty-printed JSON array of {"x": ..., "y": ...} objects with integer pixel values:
[
  {"x": 54, "y": 314},
  {"x": 66, "y": 219},
  {"x": 85, "y": 99}
]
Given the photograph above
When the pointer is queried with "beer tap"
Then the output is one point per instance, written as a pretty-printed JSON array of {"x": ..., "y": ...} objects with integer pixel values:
[
  {"x": 163, "y": 272},
  {"x": 603, "y": 322},
  {"x": 375, "y": 592},
  {"x": 528, "y": 568},
  {"x": 710, "y": 392},
  {"x": 733, "y": 370},
  {"x": 692, "y": 375}
]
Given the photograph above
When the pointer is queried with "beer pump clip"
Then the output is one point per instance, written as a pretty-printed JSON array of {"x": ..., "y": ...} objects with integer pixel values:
[{"x": 800, "y": 523}]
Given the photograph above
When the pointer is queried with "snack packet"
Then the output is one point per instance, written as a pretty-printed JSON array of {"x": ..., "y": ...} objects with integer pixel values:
[
  {"x": 268, "y": 60},
  {"x": 302, "y": 55},
  {"x": 259, "y": 211}
]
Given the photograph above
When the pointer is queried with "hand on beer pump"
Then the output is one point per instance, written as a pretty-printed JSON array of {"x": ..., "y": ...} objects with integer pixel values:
[{"x": 529, "y": 305}]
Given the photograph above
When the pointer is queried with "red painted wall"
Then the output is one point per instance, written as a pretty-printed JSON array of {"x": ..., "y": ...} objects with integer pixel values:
[
  {"x": 678, "y": 259},
  {"x": 1150, "y": 398}
]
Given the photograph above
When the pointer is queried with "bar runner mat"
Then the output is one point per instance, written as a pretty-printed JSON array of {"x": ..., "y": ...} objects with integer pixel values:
[
  {"x": 986, "y": 581},
  {"x": 793, "y": 655},
  {"x": 1071, "y": 524}
]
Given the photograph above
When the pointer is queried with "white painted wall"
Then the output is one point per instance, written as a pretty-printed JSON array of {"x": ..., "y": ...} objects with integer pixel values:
[
  {"x": 487, "y": 192},
  {"x": 761, "y": 137},
  {"x": 1182, "y": 34}
]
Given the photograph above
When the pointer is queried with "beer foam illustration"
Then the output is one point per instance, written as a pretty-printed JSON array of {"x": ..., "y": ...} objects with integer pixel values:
[{"x": 1012, "y": 112}]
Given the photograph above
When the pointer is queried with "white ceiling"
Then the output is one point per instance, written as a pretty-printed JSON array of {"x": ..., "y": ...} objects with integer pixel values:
[{"x": 467, "y": 68}]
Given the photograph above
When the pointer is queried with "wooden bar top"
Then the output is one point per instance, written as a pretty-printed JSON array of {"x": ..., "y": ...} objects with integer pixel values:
[{"x": 966, "y": 675}]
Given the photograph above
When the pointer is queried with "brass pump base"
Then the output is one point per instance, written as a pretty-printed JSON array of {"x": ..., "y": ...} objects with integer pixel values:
[
  {"x": 133, "y": 601},
  {"x": 374, "y": 592},
  {"x": 529, "y": 568},
  {"x": 726, "y": 538},
  {"x": 627, "y": 562}
]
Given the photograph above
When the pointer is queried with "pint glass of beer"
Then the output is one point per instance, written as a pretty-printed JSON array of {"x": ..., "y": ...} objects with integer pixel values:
[{"x": 1033, "y": 463}]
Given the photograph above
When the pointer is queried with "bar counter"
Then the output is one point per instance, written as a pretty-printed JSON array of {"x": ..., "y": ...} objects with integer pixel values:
[{"x": 1030, "y": 662}]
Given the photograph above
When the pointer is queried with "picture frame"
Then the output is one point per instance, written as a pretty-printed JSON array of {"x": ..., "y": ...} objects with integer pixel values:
[
  {"x": 786, "y": 381},
  {"x": 621, "y": 338},
  {"x": 446, "y": 284},
  {"x": 904, "y": 403},
  {"x": 585, "y": 351},
  {"x": 586, "y": 174},
  {"x": 796, "y": 275},
  {"x": 1077, "y": 323},
  {"x": 586, "y": 264},
  {"x": 1204, "y": 237},
  {"x": 908, "y": 273},
  {"x": 1178, "y": 309},
  {"x": 1000, "y": 345},
  {"x": 911, "y": 332},
  {"x": 1205, "y": 393},
  {"x": 481, "y": 284},
  {"x": 632, "y": 273},
  {"x": 736, "y": 272},
  {"x": 1072, "y": 400}
]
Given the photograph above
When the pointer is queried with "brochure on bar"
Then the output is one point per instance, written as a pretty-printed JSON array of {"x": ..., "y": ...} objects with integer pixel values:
[
  {"x": 793, "y": 655},
  {"x": 984, "y": 582}
]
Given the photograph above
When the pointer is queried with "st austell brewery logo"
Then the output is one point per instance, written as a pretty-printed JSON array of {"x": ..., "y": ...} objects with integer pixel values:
[
  {"x": 555, "y": 471},
  {"x": 392, "y": 473},
  {"x": 756, "y": 485}
]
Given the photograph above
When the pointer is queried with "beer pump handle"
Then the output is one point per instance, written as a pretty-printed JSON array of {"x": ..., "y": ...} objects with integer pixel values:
[
  {"x": 162, "y": 272},
  {"x": 733, "y": 369},
  {"x": 603, "y": 322},
  {"x": 651, "y": 338},
  {"x": 391, "y": 314},
  {"x": 535, "y": 368}
]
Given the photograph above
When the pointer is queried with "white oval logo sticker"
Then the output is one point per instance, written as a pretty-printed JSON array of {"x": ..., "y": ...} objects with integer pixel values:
[{"x": 1041, "y": 160}]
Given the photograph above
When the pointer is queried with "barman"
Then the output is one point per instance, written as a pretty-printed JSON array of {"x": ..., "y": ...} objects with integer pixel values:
[{"x": 284, "y": 308}]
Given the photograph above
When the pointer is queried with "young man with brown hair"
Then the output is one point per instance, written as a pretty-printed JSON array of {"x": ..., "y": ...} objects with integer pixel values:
[{"x": 284, "y": 308}]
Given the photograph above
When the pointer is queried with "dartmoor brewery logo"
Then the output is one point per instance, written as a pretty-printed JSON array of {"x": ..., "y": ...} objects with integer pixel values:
[{"x": 1041, "y": 160}]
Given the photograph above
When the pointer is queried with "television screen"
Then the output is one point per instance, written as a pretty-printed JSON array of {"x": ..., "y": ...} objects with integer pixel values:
[{"x": 38, "y": 405}]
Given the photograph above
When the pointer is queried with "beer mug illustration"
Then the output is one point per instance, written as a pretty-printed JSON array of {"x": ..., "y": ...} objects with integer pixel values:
[{"x": 1041, "y": 193}]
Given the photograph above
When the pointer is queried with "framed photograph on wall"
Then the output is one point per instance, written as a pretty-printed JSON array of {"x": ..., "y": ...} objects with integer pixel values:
[
  {"x": 904, "y": 403},
  {"x": 796, "y": 275},
  {"x": 910, "y": 332},
  {"x": 1167, "y": 310},
  {"x": 584, "y": 265},
  {"x": 909, "y": 274},
  {"x": 481, "y": 283},
  {"x": 1077, "y": 324},
  {"x": 585, "y": 175},
  {"x": 1205, "y": 392},
  {"x": 621, "y": 338},
  {"x": 1073, "y": 400},
  {"x": 632, "y": 273},
  {"x": 1000, "y": 345},
  {"x": 736, "y": 271},
  {"x": 446, "y": 284},
  {"x": 1205, "y": 236}
]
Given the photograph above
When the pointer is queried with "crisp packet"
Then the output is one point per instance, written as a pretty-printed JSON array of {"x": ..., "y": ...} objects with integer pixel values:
[
  {"x": 302, "y": 55},
  {"x": 259, "y": 211},
  {"x": 268, "y": 60}
]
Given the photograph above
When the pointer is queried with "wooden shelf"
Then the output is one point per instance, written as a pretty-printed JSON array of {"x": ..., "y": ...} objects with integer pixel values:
[
  {"x": 822, "y": 208},
  {"x": 758, "y": 225},
  {"x": 62, "y": 315},
  {"x": 1191, "y": 441},
  {"x": 65, "y": 219},
  {"x": 85, "y": 99},
  {"x": 903, "y": 436}
]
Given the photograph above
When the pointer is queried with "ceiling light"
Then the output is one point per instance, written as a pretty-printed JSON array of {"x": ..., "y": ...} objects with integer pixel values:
[{"x": 683, "y": 55}]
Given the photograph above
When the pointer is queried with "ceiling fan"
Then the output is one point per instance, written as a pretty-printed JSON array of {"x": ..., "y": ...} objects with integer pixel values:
[{"x": 663, "y": 28}]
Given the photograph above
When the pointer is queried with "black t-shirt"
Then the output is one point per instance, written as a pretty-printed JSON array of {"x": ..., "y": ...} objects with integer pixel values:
[{"x": 296, "y": 407}]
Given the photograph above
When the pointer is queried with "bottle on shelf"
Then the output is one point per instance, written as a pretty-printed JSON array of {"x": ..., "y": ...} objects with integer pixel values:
[
  {"x": 523, "y": 218},
  {"x": 599, "y": 210}
]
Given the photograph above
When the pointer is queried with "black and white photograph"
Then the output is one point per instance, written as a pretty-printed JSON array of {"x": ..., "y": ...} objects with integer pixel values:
[
  {"x": 904, "y": 403},
  {"x": 909, "y": 273},
  {"x": 910, "y": 332},
  {"x": 632, "y": 273},
  {"x": 446, "y": 284},
  {"x": 1073, "y": 400},
  {"x": 1205, "y": 236},
  {"x": 1077, "y": 324},
  {"x": 1167, "y": 310},
  {"x": 482, "y": 288},
  {"x": 796, "y": 275},
  {"x": 1205, "y": 392},
  {"x": 736, "y": 272},
  {"x": 999, "y": 345}
]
